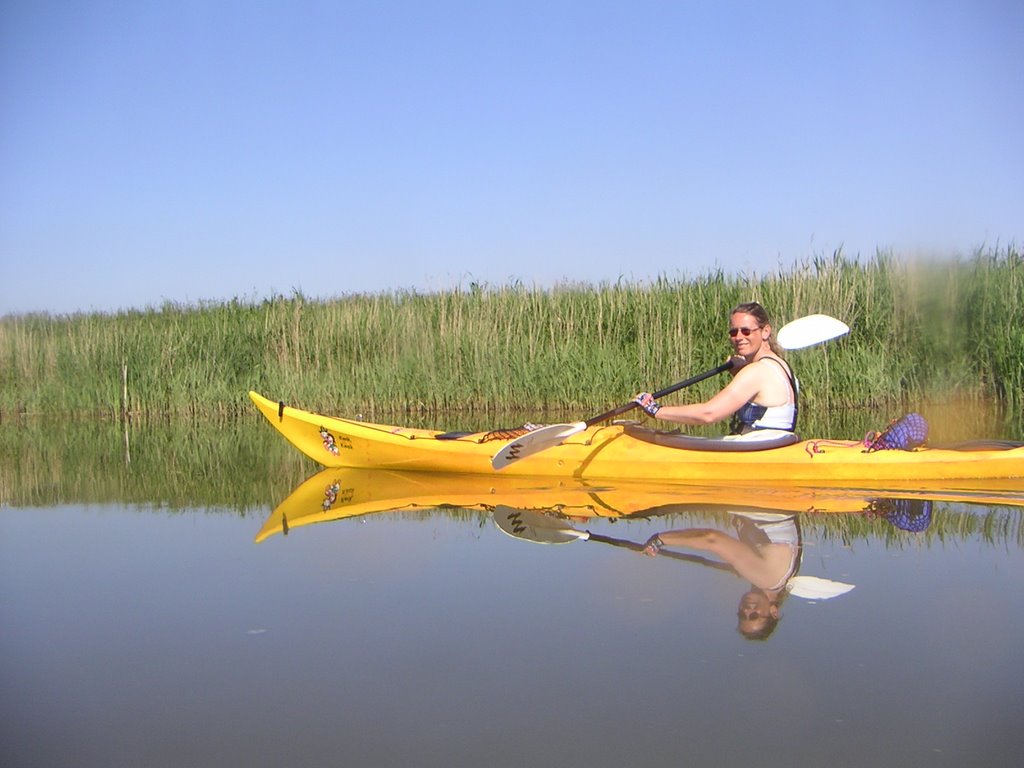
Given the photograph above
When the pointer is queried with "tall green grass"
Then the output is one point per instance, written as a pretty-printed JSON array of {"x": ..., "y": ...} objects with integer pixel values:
[{"x": 922, "y": 330}]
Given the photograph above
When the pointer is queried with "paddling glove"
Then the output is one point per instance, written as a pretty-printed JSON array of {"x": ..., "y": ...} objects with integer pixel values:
[{"x": 646, "y": 401}]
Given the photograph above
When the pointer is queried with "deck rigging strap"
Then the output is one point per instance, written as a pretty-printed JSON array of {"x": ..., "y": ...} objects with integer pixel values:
[
  {"x": 494, "y": 434},
  {"x": 504, "y": 434}
]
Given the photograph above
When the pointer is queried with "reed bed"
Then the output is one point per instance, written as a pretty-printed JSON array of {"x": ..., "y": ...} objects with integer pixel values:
[
  {"x": 166, "y": 464},
  {"x": 922, "y": 330}
]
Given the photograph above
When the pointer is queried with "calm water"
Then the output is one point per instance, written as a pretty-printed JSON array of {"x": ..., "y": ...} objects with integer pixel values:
[{"x": 160, "y": 633}]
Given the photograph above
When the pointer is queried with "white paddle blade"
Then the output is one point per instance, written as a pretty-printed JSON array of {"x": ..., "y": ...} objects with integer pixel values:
[
  {"x": 816, "y": 588},
  {"x": 534, "y": 526},
  {"x": 534, "y": 442},
  {"x": 810, "y": 330}
]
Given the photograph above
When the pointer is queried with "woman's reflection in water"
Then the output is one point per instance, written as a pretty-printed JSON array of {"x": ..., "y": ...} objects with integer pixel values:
[{"x": 765, "y": 551}]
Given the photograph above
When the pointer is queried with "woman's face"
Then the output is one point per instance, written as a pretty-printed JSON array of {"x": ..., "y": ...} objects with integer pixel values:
[
  {"x": 755, "y": 611},
  {"x": 746, "y": 334}
]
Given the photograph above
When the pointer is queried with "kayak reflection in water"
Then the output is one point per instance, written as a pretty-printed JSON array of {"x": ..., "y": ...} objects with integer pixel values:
[
  {"x": 763, "y": 392},
  {"x": 766, "y": 551}
]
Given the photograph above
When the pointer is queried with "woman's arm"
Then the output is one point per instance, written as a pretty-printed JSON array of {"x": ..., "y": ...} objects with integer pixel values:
[
  {"x": 745, "y": 560},
  {"x": 727, "y": 547},
  {"x": 744, "y": 387}
]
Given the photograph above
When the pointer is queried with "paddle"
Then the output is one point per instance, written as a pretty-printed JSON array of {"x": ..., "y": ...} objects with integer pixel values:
[
  {"x": 803, "y": 332},
  {"x": 530, "y": 525}
]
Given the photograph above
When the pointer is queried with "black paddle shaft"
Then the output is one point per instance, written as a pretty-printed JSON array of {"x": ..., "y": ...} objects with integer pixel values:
[
  {"x": 638, "y": 547},
  {"x": 661, "y": 393},
  {"x": 635, "y": 546}
]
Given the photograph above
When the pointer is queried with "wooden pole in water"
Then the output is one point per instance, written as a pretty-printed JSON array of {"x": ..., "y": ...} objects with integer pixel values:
[
  {"x": 124, "y": 390},
  {"x": 124, "y": 411}
]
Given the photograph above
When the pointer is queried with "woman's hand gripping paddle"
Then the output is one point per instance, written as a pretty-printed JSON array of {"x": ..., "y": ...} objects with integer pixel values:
[{"x": 803, "y": 332}]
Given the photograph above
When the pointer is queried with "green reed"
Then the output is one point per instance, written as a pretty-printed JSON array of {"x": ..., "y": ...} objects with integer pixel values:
[
  {"x": 921, "y": 331},
  {"x": 162, "y": 464}
]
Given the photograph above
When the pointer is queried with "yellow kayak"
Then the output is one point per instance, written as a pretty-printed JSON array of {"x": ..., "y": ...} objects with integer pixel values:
[
  {"x": 341, "y": 493},
  {"x": 631, "y": 452}
]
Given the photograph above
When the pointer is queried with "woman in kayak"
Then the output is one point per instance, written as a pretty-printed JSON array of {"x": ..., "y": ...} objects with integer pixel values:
[
  {"x": 766, "y": 552},
  {"x": 763, "y": 392}
]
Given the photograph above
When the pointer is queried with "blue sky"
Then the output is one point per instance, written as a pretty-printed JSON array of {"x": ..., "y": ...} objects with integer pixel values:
[{"x": 203, "y": 151}]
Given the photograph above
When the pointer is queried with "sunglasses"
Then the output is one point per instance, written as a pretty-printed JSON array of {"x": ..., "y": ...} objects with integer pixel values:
[
  {"x": 751, "y": 615},
  {"x": 745, "y": 331}
]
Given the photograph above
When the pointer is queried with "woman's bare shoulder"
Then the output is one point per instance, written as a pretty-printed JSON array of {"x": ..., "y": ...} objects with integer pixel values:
[{"x": 774, "y": 362}]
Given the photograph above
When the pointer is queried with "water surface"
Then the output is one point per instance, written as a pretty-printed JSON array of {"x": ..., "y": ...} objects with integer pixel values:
[{"x": 396, "y": 624}]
